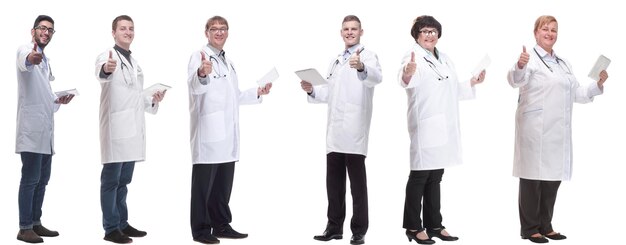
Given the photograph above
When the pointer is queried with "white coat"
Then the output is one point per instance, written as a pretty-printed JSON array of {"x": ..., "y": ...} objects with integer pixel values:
[
  {"x": 350, "y": 100},
  {"x": 35, "y": 105},
  {"x": 543, "y": 129},
  {"x": 122, "y": 108},
  {"x": 214, "y": 109},
  {"x": 433, "y": 95}
]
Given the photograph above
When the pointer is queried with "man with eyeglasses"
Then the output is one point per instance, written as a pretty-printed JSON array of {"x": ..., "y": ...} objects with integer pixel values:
[
  {"x": 34, "y": 142},
  {"x": 349, "y": 94},
  {"x": 122, "y": 128},
  {"x": 214, "y": 99}
]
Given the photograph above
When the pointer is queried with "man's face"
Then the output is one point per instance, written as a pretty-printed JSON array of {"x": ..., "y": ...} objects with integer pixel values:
[
  {"x": 351, "y": 33},
  {"x": 124, "y": 33},
  {"x": 42, "y": 34},
  {"x": 217, "y": 35}
]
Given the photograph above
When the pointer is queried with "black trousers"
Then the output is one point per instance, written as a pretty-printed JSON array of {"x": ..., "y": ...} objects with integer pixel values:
[
  {"x": 211, "y": 185},
  {"x": 423, "y": 185},
  {"x": 536, "y": 205},
  {"x": 336, "y": 166}
]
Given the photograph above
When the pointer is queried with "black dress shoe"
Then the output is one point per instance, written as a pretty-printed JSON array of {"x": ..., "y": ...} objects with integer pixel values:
[
  {"x": 357, "y": 239},
  {"x": 412, "y": 235},
  {"x": 228, "y": 232},
  {"x": 328, "y": 235},
  {"x": 540, "y": 239},
  {"x": 132, "y": 232},
  {"x": 43, "y": 231},
  {"x": 556, "y": 236},
  {"x": 207, "y": 239},
  {"x": 437, "y": 233},
  {"x": 117, "y": 236}
]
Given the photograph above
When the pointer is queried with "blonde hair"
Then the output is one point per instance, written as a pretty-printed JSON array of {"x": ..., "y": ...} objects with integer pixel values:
[{"x": 544, "y": 20}]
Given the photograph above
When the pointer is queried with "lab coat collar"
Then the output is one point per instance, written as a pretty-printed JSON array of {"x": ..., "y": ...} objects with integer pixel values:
[{"x": 545, "y": 54}]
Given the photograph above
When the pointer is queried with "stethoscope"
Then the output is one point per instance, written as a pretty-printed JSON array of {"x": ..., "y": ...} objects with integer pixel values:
[
  {"x": 50, "y": 76},
  {"x": 557, "y": 62},
  {"x": 434, "y": 67},
  {"x": 128, "y": 71},
  {"x": 218, "y": 71},
  {"x": 332, "y": 69}
]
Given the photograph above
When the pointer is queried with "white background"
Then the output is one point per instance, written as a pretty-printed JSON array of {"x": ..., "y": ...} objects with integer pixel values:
[{"x": 279, "y": 194}]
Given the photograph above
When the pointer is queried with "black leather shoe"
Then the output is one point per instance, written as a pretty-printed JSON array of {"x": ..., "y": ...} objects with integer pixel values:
[
  {"x": 207, "y": 239},
  {"x": 117, "y": 236},
  {"x": 540, "y": 239},
  {"x": 132, "y": 232},
  {"x": 43, "y": 231},
  {"x": 357, "y": 239},
  {"x": 412, "y": 235},
  {"x": 437, "y": 234},
  {"x": 228, "y": 232},
  {"x": 328, "y": 235},
  {"x": 556, "y": 236}
]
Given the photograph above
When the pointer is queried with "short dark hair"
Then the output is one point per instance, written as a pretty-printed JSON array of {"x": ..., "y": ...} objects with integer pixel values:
[
  {"x": 41, "y": 18},
  {"x": 215, "y": 19},
  {"x": 425, "y": 21},
  {"x": 120, "y": 18}
]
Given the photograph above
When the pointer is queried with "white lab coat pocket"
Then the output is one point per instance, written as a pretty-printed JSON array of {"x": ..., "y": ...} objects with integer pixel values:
[
  {"x": 123, "y": 124},
  {"x": 33, "y": 119},
  {"x": 214, "y": 128},
  {"x": 432, "y": 131}
]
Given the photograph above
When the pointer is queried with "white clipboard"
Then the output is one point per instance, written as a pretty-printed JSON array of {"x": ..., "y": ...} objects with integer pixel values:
[{"x": 312, "y": 76}]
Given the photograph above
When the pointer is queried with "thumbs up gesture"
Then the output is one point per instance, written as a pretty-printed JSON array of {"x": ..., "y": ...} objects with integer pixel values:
[
  {"x": 111, "y": 64},
  {"x": 206, "y": 67},
  {"x": 355, "y": 61},
  {"x": 35, "y": 57},
  {"x": 523, "y": 58},
  {"x": 410, "y": 67}
]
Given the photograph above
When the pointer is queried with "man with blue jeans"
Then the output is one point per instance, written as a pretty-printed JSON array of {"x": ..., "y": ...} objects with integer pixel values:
[
  {"x": 122, "y": 128},
  {"x": 35, "y": 128}
]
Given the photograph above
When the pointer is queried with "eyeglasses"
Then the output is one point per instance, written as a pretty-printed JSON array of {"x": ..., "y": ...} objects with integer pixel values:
[
  {"x": 429, "y": 32},
  {"x": 46, "y": 29},
  {"x": 221, "y": 30}
]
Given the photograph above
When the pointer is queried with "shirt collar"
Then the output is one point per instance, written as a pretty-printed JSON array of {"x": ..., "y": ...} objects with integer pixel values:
[{"x": 216, "y": 51}]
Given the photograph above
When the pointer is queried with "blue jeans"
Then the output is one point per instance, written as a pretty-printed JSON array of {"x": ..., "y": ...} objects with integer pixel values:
[
  {"x": 113, "y": 190},
  {"x": 35, "y": 175}
]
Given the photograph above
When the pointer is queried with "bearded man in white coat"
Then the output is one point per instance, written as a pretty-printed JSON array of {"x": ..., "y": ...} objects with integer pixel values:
[{"x": 34, "y": 141}]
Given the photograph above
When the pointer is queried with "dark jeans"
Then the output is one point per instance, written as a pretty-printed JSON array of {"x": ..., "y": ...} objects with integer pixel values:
[
  {"x": 211, "y": 186},
  {"x": 36, "y": 170},
  {"x": 113, "y": 190},
  {"x": 536, "y": 205},
  {"x": 423, "y": 185},
  {"x": 336, "y": 166}
]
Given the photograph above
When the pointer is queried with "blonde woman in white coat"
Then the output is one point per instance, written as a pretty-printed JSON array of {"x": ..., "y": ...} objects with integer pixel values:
[
  {"x": 122, "y": 128},
  {"x": 543, "y": 138},
  {"x": 352, "y": 76},
  {"x": 433, "y": 90}
]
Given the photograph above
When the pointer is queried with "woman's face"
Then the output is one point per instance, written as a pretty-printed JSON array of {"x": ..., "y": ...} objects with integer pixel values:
[
  {"x": 546, "y": 35},
  {"x": 428, "y": 38}
]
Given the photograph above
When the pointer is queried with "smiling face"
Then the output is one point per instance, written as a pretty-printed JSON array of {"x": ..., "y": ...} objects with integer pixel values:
[
  {"x": 42, "y": 34},
  {"x": 124, "y": 34},
  {"x": 217, "y": 33},
  {"x": 351, "y": 33},
  {"x": 428, "y": 38},
  {"x": 546, "y": 35}
]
